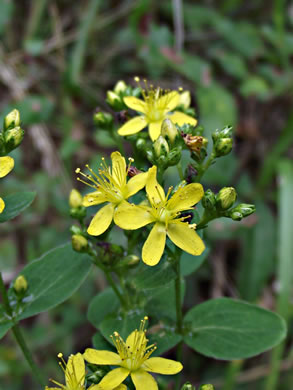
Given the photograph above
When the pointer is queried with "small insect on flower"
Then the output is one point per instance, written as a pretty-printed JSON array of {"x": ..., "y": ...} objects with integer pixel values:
[
  {"x": 112, "y": 187},
  {"x": 133, "y": 358},
  {"x": 165, "y": 212},
  {"x": 157, "y": 105},
  {"x": 74, "y": 371},
  {"x": 6, "y": 166}
]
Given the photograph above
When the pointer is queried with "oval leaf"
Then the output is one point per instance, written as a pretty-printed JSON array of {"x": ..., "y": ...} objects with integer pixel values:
[
  {"x": 106, "y": 302},
  {"x": 53, "y": 278},
  {"x": 15, "y": 204},
  {"x": 229, "y": 329}
]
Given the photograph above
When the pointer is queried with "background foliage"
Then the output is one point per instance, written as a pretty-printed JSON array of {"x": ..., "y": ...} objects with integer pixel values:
[{"x": 57, "y": 60}]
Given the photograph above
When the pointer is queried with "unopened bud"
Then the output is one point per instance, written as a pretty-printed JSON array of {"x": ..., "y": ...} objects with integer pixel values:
[
  {"x": 161, "y": 146},
  {"x": 78, "y": 212},
  {"x": 209, "y": 200},
  {"x": 185, "y": 99},
  {"x": 226, "y": 197},
  {"x": 20, "y": 285},
  {"x": 79, "y": 243},
  {"x": 113, "y": 99},
  {"x": 120, "y": 87},
  {"x": 75, "y": 198},
  {"x": 13, "y": 138},
  {"x": 74, "y": 229},
  {"x": 140, "y": 144},
  {"x": 103, "y": 119},
  {"x": 188, "y": 386},
  {"x": 174, "y": 156},
  {"x": 223, "y": 146},
  {"x": 12, "y": 119},
  {"x": 129, "y": 261},
  {"x": 226, "y": 132},
  {"x": 169, "y": 130},
  {"x": 241, "y": 211},
  {"x": 206, "y": 387}
]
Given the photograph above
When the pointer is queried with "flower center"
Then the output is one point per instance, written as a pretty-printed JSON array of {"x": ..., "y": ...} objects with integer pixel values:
[{"x": 135, "y": 351}]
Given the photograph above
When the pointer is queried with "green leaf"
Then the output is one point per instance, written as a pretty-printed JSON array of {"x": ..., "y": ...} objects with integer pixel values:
[
  {"x": 190, "y": 263},
  {"x": 229, "y": 329},
  {"x": 106, "y": 302},
  {"x": 99, "y": 342},
  {"x": 165, "y": 338},
  {"x": 15, "y": 204},
  {"x": 53, "y": 278},
  {"x": 147, "y": 277},
  {"x": 5, "y": 323},
  {"x": 124, "y": 324}
]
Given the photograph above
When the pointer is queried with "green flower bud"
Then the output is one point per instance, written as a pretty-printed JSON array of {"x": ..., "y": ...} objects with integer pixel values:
[
  {"x": 209, "y": 200},
  {"x": 206, "y": 387},
  {"x": 223, "y": 146},
  {"x": 103, "y": 119},
  {"x": 174, "y": 156},
  {"x": 74, "y": 229},
  {"x": 78, "y": 212},
  {"x": 140, "y": 144},
  {"x": 188, "y": 386},
  {"x": 242, "y": 210},
  {"x": 161, "y": 146},
  {"x": 20, "y": 285},
  {"x": 120, "y": 87},
  {"x": 79, "y": 243},
  {"x": 114, "y": 101},
  {"x": 226, "y": 197},
  {"x": 226, "y": 132},
  {"x": 129, "y": 261},
  {"x": 13, "y": 138},
  {"x": 169, "y": 130},
  {"x": 12, "y": 119},
  {"x": 75, "y": 198}
]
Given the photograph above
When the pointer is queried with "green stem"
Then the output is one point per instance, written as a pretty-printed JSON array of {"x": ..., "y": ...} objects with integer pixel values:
[
  {"x": 179, "y": 315},
  {"x": 180, "y": 171},
  {"x": 205, "y": 166},
  {"x": 114, "y": 287},
  {"x": 232, "y": 372},
  {"x": 206, "y": 218},
  {"x": 19, "y": 336}
]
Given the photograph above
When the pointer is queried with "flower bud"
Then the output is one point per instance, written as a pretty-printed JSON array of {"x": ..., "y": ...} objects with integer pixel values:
[
  {"x": 13, "y": 138},
  {"x": 74, "y": 229},
  {"x": 169, "y": 130},
  {"x": 188, "y": 386},
  {"x": 209, "y": 200},
  {"x": 193, "y": 142},
  {"x": 226, "y": 132},
  {"x": 79, "y": 243},
  {"x": 75, "y": 198},
  {"x": 185, "y": 99},
  {"x": 161, "y": 146},
  {"x": 223, "y": 146},
  {"x": 206, "y": 387},
  {"x": 141, "y": 144},
  {"x": 103, "y": 119},
  {"x": 78, "y": 212},
  {"x": 120, "y": 87},
  {"x": 20, "y": 285},
  {"x": 241, "y": 211},
  {"x": 129, "y": 261},
  {"x": 226, "y": 197},
  {"x": 174, "y": 156},
  {"x": 114, "y": 100},
  {"x": 12, "y": 119}
]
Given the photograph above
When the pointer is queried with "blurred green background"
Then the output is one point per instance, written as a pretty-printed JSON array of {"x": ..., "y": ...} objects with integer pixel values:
[{"x": 57, "y": 60}]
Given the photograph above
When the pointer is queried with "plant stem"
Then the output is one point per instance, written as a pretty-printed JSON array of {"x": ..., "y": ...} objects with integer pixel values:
[
  {"x": 206, "y": 218},
  {"x": 179, "y": 316},
  {"x": 19, "y": 336},
  {"x": 231, "y": 374},
  {"x": 114, "y": 287},
  {"x": 180, "y": 171},
  {"x": 205, "y": 166}
]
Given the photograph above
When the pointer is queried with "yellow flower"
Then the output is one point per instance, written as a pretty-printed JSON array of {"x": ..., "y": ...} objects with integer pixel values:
[
  {"x": 155, "y": 107},
  {"x": 133, "y": 359},
  {"x": 74, "y": 371},
  {"x": 6, "y": 166},
  {"x": 165, "y": 213},
  {"x": 112, "y": 187}
]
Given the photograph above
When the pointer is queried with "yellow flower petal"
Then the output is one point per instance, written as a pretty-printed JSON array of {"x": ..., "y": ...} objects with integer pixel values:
[
  {"x": 133, "y": 337},
  {"x": 135, "y": 104},
  {"x": 94, "y": 198},
  {"x": 130, "y": 217},
  {"x": 6, "y": 165},
  {"x": 154, "y": 246},
  {"x": 169, "y": 101},
  {"x": 113, "y": 379},
  {"x": 143, "y": 380},
  {"x": 180, "y": 118},
  {"x": 136, "y": 183},
  {"x": 2, "y": 205},
  {"x": 186, "y": 197},
  {"x": 102, "y": 357},
  {"x": 75, "y": 368},
  {"x": 133, "y": 126},
  {"x": 155, "y": 192},
  {"x": 101, "y": 220},
  {"x": 97, "y": 387},
  {"x": 162, "y": 366},
  {"x": 155, "y": 130},
  {"x": 121, "y": 387},
  {"x": 118, "y": 168},
  {"x": 186, "y": 238}
]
